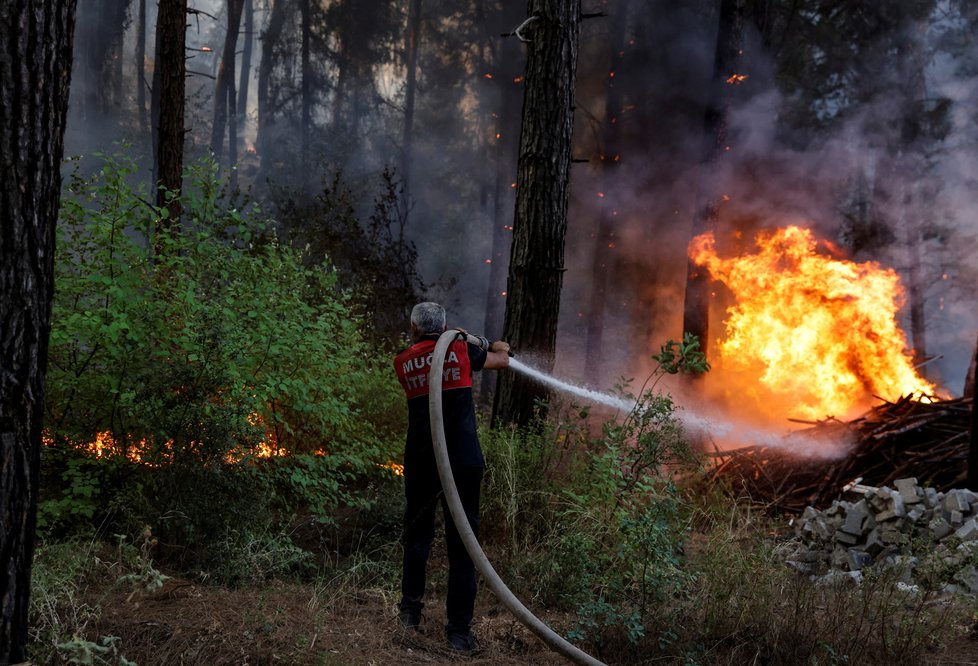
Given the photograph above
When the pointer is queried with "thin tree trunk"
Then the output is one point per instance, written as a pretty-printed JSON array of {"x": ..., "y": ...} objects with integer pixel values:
[
  {"x": 604, "y": 238},
  {"x": 969, "y": 378},
  {"x": 141, "y": 66},
  {"x": 696, "y": 306},
  {"x": 35, "y": 70},
  {"x": 245, "y": 78},
  {"x": 169, "y": 79},
  {"x": 973, "y": 448},
  {"x": 306, "y": 84},
  {"x": 224, "y": 98},
  {"x": 506, "y": 64},
  {"x": 271, "y": 37},
  {"x": 412, "y": 38},
  {"x": 536, "y": 266}
]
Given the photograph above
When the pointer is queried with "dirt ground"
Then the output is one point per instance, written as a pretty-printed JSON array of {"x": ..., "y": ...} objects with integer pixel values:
[{"x": 188, "y": 623}]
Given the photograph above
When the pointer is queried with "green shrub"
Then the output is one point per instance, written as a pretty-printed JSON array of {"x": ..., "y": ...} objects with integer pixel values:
[
  {"x": 597, "y": 521},
  {"x": 197, "y": 351}
]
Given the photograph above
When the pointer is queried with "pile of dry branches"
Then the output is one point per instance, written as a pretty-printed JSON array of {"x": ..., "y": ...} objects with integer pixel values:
[{"x": 907, "y": 438}]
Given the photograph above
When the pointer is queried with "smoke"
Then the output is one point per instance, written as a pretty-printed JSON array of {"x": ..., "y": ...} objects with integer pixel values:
[
  {"x": 801, "y": 151},
  {"x": 906, "y": 156}
]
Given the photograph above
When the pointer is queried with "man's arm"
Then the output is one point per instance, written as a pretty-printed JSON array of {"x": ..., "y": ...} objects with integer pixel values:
[{"x": 498, "y": 356}]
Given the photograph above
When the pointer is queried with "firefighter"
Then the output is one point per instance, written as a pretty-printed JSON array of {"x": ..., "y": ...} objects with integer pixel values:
[{"x": 422, "y": 486}]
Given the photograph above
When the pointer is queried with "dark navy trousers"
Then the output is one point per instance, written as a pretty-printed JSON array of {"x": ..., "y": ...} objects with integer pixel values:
[{"x": 423, "y": 492}]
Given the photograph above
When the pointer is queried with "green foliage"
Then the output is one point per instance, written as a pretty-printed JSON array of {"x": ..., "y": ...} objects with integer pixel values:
[
  {"x": 57, "y": 611},
  {"x": 89, "y": 653},
  {"x": 686, "y": 357},
  {"x": 193, "y": 348},
  {"x": 605, "y": 513}
]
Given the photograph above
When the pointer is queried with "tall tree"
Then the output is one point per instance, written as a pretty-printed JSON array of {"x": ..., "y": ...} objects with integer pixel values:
[
  {"x": 245, "y": 78},
  {"x": 306, "y": 83},
  {"x": 536, "y": 265},
  {"x": 169, "y": 86},
  {"x": 506, "y": 62},
  {"x": 271, "y": 38},
  {"x": 98, "y": 51},
  {"x": 412, "y": 37},
  {"x": 225, "y": 99},
  {"x": 971, "y": 388},
  {"x": 140, "y": 62},
  {"x": 35, "y": 69},
  {"x": 696, "y": 305},
  {"x": 610, "y": 159}
]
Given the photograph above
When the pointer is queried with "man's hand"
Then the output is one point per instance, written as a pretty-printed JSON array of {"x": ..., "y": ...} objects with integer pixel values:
[{"x": 500, "y": 346}]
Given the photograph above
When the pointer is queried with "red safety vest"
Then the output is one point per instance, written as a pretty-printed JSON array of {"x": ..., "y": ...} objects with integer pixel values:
[{"x": 414, "y": 363}]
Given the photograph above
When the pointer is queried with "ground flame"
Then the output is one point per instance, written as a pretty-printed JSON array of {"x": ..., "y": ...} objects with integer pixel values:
[{"x": 815, "y": 335}]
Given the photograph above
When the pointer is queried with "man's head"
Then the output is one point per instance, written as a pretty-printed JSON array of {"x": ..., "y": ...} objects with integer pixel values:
[{"x": 427, "y": 319}]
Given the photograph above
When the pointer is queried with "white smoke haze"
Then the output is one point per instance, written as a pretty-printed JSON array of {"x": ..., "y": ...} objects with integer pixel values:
[
  {"x": 772, "y": 176},
  {"x": 773, "y": 180}
]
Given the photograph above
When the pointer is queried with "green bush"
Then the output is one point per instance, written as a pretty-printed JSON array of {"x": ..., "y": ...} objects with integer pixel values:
[
  {"x": 198, "y": 350},
  {"x": 597, "y": 521}
]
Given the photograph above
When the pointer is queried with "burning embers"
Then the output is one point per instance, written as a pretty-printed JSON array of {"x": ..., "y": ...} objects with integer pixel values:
[{"x": 809, "y": 333}]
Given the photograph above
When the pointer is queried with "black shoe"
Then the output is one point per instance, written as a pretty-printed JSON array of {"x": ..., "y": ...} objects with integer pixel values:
[
  {"x": 465, "y": 643},
  {"x": 410, "y": 619}
]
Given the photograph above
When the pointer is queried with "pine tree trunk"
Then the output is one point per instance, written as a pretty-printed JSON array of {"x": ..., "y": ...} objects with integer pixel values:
[
  {"x": 536, "y": 266},
  {"x": 696, "y": 305},
  {"x": 969, "y": 378},
  {"x": 972, "y": 387},
  {"x": 270, "y": 38},
  {"x": 224, "y": 97},
  {"x": 35, "y": 69},
  {"x": 141, "y": 66},
  {"x": 306, "y": 84},
  {"x": 604, "y": 239},
  {"x": 506, "y": 64},
  {"x": 169, "y": 79},
  {"x": 245, "y": 78},
  {"x": 411, "y": 41}
]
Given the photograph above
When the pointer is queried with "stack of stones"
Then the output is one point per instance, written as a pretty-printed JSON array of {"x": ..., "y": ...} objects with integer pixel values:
[{"x": 897, "y": 526}]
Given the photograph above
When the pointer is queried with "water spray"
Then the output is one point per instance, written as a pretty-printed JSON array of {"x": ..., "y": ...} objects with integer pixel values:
[{"x": 798, "y": 444}]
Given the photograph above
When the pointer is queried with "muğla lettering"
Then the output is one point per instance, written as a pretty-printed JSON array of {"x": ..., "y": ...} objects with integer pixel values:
[
  {"x": 420, "y": 380},
  {"x": 422, "y": 362}
]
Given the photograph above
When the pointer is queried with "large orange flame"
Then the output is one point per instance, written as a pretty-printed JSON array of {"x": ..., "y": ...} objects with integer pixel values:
[{"x": 816, "y": 335}]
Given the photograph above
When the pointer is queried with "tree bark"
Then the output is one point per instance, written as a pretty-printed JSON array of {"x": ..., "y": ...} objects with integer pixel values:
[
  {"x": 696, "y": 305},
  {"x": 969, "y": 378},
  {"x": 141, "y": 66},
  {"x": 270, "y": 38},
  {"x": 536, "y": 266},
  {"x": 169, "y": 80},
  {"x": 411, "y": 40},
  {"x": 35, "y": 70},
  {"x": 224, "y": 98},
  {"x": 245, "y": 78},
  {"x": 306, "y": 85},
  {"x": 604, "y": 237},
  {"x": 972, "y": 386},
  {"x": 505, "y": 62}
]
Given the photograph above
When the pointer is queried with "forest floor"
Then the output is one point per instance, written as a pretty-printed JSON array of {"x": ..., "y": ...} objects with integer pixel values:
[
  {"x": 188, "y": 622},
  {"x": 331, "y": 623},
  {"x": 191, "y": 623}
]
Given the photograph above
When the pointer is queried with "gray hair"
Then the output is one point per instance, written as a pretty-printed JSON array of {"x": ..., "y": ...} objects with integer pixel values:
[{"x": 428, "y": 318}]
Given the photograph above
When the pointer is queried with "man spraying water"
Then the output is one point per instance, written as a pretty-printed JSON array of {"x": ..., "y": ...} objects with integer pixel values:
[{"x": 422, "y": 486}]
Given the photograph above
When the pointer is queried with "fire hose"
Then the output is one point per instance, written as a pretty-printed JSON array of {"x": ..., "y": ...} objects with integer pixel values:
[{"x": 495, "y": 583}]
